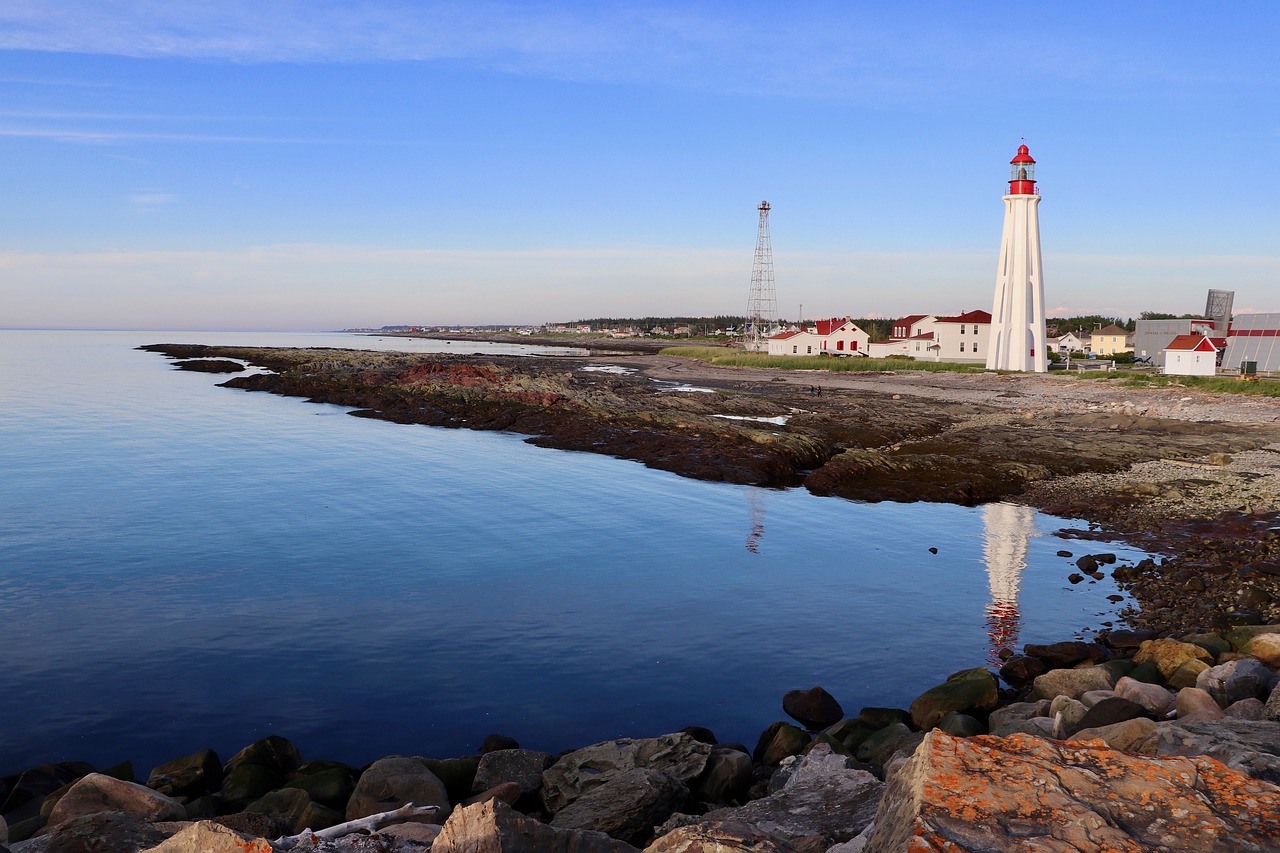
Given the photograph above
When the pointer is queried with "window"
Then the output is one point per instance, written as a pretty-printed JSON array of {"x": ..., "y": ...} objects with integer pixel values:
[
  {"x": 962, "y": 328},
  {"x": 808, "y": 350},
  {"x": 839, "y": 344},
  {"x": 975, "y": 346},
  {"x": 795, "y": 349},
  {"x": 962, "y": 346}
]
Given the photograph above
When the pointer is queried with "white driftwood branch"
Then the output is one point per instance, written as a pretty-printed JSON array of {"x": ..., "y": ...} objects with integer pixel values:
[{"x": 370, "y": 824}]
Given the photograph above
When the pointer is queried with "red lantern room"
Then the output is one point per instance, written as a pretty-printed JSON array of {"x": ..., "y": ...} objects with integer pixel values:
[{"x": 1022, "y": 173}]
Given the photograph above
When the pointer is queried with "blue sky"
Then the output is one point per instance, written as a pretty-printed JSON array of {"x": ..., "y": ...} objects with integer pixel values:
[{"x": 314, "y": 164}]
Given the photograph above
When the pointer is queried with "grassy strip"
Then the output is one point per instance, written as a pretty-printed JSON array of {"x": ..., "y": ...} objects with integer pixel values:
[
  {"x": 728, "y": 357},
  {"x": 1207, "y": 384}
]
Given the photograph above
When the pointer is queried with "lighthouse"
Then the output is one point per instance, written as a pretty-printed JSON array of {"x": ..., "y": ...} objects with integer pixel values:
[{"x": 1017, "y": 315}]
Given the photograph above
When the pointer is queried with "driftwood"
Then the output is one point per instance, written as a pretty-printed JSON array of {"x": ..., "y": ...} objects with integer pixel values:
[{"x": 370, "y": 825}]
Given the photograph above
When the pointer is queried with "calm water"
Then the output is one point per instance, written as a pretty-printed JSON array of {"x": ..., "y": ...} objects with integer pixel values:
[{"x": 183, "y": 566}]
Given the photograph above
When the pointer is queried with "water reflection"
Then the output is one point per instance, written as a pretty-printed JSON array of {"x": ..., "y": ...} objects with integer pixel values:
[
  {"x": 755, "y": 499},
  {"x": 1006, "y": 531}
]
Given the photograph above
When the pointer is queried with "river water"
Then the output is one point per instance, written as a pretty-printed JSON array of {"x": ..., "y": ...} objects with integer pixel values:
[{"x": 186, "y": 566}]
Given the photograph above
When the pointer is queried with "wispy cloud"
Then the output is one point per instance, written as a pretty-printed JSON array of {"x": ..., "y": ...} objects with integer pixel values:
[{"x": 149, "y": 200}]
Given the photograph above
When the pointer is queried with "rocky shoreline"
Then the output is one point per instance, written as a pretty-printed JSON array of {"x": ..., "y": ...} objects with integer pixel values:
[{"x": 1161, "y": 734}]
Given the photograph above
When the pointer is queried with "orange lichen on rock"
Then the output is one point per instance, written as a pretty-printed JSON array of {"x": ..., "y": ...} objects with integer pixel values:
[{"x": 1022, "y": 793}]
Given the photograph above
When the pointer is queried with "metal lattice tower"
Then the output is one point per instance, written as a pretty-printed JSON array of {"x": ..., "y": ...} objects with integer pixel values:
[
  {"x": 762, "y": 305},
  {"x": 1218, "y": 309}
]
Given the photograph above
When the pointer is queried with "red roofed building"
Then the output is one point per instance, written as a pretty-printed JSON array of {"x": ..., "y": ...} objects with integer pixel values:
[
  {"x": 1193, "y": 355},
  {"x": 836, "y": 336}
]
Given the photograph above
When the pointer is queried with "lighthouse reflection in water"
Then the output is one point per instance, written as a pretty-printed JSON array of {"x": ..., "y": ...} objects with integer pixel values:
[{"x": 1006, "y": 530}]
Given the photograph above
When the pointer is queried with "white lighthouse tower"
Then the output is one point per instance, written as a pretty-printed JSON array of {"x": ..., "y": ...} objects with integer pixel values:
[{"x": 1017, "y": 316}]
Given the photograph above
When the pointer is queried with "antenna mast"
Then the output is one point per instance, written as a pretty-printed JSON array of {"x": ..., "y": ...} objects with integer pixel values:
[{"x": 762, "y": 305}]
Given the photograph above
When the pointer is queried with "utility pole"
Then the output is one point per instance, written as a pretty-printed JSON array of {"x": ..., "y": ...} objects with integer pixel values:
[{"x": 762, "y": 305}]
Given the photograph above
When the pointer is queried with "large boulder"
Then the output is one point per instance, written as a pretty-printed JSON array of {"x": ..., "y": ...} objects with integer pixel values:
[
  {"x": 1266, "y": 648},
  {"x": 971, "y": 691},
  {"x": 98, "y": 793},
  {"x": 1068, "y": 654},
  {"x": 1247, "y": 746},
  {"x": 521, "y": 766},
  {"x": 271, "y": 751},
  {"x": 814, "y": 708},
  {"x": 208, "y": 837},
  {"x": 1156, "y": 699},
  {"x": 825, "y": 800},
  {"x": 627, "y": 806},
  {"x": 390, "y": 783},
  {"x": 27, "y": 793},
  {"x": 720, "y": 836},
  {"x": 1271, "y": 711},
  {"x": 1072, "y": 682},
  {"x": 677, "y": 755},
  {"x": 247, "y": 782},
  {"x": 1169, "y": 654},
  {"x": 189, "y": 776},
  {"x": 1228, "y": 683},
  {"x": 954, "y": 794},
  {"x": 331, "y": 787},
  {"x": 726, "y": 777},
  {"x": 1110, "y": 711},
  {"x": 1125, "y": 736},
  {"x": 780, "y": 741},
  {"x": 295, "y": 810},
  {"x": 495, "y": 827},
  {"x": 101, "y": 832}
]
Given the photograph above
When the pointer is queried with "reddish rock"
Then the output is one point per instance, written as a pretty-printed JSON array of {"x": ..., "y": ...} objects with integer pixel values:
[
  {"x": 495, "y": 827},
  {"x": 814, "y": 708},
  {"x": 97, "y": 793},
  {"x": 1021, "y": 793}
]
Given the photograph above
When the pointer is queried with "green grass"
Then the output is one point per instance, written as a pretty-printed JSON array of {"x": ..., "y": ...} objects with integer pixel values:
[
  {"x": 1207, "y": 384},
  {"x": 730, "y": 357}
]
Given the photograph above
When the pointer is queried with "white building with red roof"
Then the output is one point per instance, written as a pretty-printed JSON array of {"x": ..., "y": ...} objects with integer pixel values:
[
  {"x": 1193, "y": 355},
  {"x": 841, "y": 337}
]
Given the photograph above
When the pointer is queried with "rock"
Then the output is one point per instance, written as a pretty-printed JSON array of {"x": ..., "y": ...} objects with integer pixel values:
[
  {"x": 814, "y": 708},
  {"x": 271, "y": 751},
  {"x": 253, "y": 824},
  {"x": 1272, "y": 709},
  {"x": 1124, "y": 736},
  {"x": 423, "y": 834},
  {"x": 1169, "y": 654},
  {"x": 881, "y": 717},
  {"x": 719, "y": 836},
  {"x": 971, "y": 691},
  {"x": 780, "y": 741},
  {"x": 1244, "y": 745},
  {"x": 1187, "y": 674},
  {"x": 1067, "y": 655},
  {"x": 852, "y": 732},
  {"x": 494, "y": 827},
  {"x": 961, "y": 725},
  {"x": 1020, "y": 670},
  {"x": 332, "y": 787},
  {"x": 825, "y": 800},
  {"x": 726, "y": 777},
  {"x": 1108, "y": 712},
  {"x": 190, "y": 776},
  {"x": 457, "y": 774},
  {"x": 1153, "y": 697},
  {"x": 522, "y": 766},
  {"x": 1093, "y": 697},
  {"x": 1072, "y": 682},
  {"x": 390, "y": 783},
  {"x": 1211, "y": 643},
  {"x": 1245, "y": 709},
  {"x": 295, "y": 810},
  {"x": 1017, "y": 711},
  {"x": 103, "y": 832},
  {"x": 1120, "y": 667},
  {"x": 1266, "y": 648},
  {"x": 1126, "y": 641},
  {"x": 4, "y": 830},
  {"x": 495, "y": 742},
  {"x": 247, "y": 782},
  {"x": 1240, "y": 636},
  {"x": 677, "y": 755},
  {"x": 1066, "y": 712},
  {"x": 508, "y": 792},
  {"x": 208, "y": 837},
  {"x": 97, "y": 793},
  {"x": 29, "y": 790},
  {"x": 881, "y": 746},
  {"x": 1146, "y": 672},
  {"x": 701, "y": 733},
  {"x": 1068, "y": 796},
  {"x": 627, "y": 806},
  {"x": 1235, "y": 680}
]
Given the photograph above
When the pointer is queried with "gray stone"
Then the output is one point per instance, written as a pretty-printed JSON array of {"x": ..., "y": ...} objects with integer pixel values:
[
  {"x": 1124, "y": 736},
  {"x": 627, "y": 806},
  {"x": 1245, "y": 709},
  {"x": 1197, "y": 703},
  {"x": 677, "y": 755},
  {"x": 97, "y": 793},
  {"x": 103, "y": 832},
  {"x": 725, "y": 778},
  {"x": 245, "y": 783},
  {"x": 332, "y": 787},
  {"x": 814, "y": 708},
  {"x": 390, "y": 783},
  {"x": 1093, "y": 697},
  {"x": 1272, "y": 709},
  {"x": 271, "y": 751},
  {"x": 295, "y": 810},
  {"x": 1156, "y": 699},
  {"x": 962, "y": 725},
  {"x": 521, "y": 766},
  {"x": 1110, "y": 711},
  {"x": 998, "y": 718},
  {"x": 494, "y": 827},
  {"x": 720, "y": 836},
  {"x": 779, "y": 741},
  {"x": 1244, "y": 745},
  {"x": 824, "y": 801},
  {"x": 1072, "y": 682},
  {"x": 1067, "y": 712},
  {"x": 189, "y": 776},
  {"x": 457, "y": 774},
  {"x": 1234, "y": 680},
  {"x": 881, "y": 746}
]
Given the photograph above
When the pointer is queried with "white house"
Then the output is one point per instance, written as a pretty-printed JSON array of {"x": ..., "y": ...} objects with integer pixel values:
[
  {"x": 962, "y": 338},
  {"x": 1192, "y": 355},
  {"x": 1064, "y": 344},
  {"x": 884, "y": 349},
  {"x": 832, "y": 337}
]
